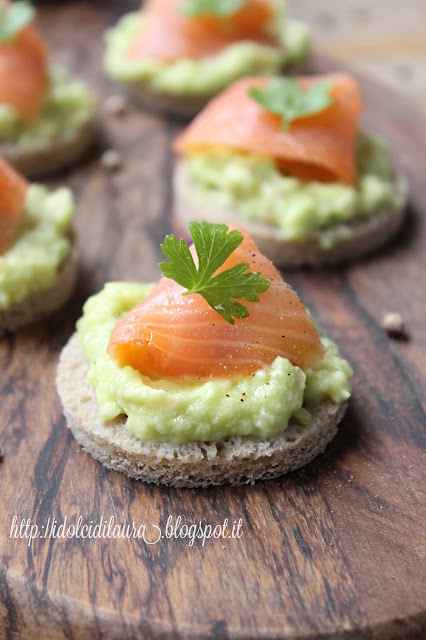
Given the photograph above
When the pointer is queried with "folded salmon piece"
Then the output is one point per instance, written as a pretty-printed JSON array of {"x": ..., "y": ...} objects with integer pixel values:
[
  {"x": 169, "y": 334},
  {"x": 24, "y": 78},
  {"x": 167, "y": 34},
  {"x": 13, "y": 190},
  {"x": 316, "y": 147}
]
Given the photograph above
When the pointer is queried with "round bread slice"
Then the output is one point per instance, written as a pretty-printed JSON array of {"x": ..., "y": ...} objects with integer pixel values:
[
  {"x": 232, "y": 460},
  {"x": 50, "y": 157},
  {"x": 166, "y": 104},
  {"x": 181, "y": 106},
  {"x": 42, "y": 303},
  {"x": 351, "y": 239}
]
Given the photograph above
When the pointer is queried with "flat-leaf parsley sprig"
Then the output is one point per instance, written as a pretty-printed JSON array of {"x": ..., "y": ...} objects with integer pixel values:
[
  {"x": 13, "y": 18},
  {"x": 287, "y": 98},
  {"x": 213, "y": 245},
  {"x": 221, "y": 8}
]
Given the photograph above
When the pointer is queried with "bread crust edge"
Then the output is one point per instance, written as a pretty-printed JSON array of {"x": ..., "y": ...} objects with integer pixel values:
[
  {"x": 50, "y": 157},
  {"x": 43, "y": 302},
  {"x": 353, "y": 239},
  {"x": 184, "y": 107},
  {"x": 232, "y": 460}
]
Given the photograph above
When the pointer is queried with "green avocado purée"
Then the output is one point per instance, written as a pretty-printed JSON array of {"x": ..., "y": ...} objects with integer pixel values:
[
  {"x": 209, "y": 75},
  {"x": 254, "y": 187},
  {"x": 69, "y": 106},
  {"x": 174, "y": 410},
  {"x": 31, "y": 264}
]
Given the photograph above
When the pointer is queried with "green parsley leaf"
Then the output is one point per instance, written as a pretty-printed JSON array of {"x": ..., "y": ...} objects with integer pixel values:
[
  {"x": 213, "y": 245},
  {"x": 222, "y": 8},
  {"x": 14, "y": 18},
  {"x": 285, "y": 97}
]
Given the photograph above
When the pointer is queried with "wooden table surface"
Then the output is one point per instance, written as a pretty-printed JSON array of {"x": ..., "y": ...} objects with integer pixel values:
[
  {"x": 385, "y": 39},
  {"x": 333, "y": 551}
]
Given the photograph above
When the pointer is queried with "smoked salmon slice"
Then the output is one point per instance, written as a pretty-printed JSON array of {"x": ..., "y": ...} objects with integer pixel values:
[
  {"x": 23, "y": 73},
  {"x": 13, "y": 190},
  {"x": 169, "y": 334},
  {"x": 320, "y": 147},
  {"x": 167, "y": 34}
]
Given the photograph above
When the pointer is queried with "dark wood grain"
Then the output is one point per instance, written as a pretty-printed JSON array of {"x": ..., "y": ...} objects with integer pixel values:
[{"x": 335, "y": 550}]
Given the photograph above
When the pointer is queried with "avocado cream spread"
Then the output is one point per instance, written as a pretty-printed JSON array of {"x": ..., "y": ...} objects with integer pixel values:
[
  {"x": 32, "y": 263},
  {"x": 253, "y": 186},
  {"x": 179, "y": 411},
  {"x": 69, "y": 105},
  {"x": 208, "y": 75}
]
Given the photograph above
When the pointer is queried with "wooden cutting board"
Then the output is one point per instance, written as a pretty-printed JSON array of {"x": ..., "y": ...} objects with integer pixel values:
[{"x": 335, "y": 550}]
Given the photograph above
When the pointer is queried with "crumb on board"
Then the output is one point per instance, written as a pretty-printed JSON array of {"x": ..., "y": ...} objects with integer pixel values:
[
  {"x": 393, "y": 325},
  {"x": 115, "y": 105},
  {"x": 112, "y": 160}
]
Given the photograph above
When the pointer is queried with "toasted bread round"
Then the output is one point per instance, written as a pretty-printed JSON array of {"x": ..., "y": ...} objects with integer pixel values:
[
  {"x": 44, "y": 302},
  {"x": 351, "y": 239},
  {"x": 166, "y": 104},
  {"x": 52, "y": 156},
  {"x": 177, "y": 106},
  {"x": 181, "y": 106},
  {"x": 232, "y": 460}
]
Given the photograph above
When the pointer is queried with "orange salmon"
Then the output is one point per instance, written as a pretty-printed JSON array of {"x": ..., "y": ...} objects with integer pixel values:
[
  {"x": 23, "y": 73},
  {"x": 168, "y": 35},
  {"x": 13, "y": 190},
  {"x": 320, "y": 147},
  {"x": 169, "y": 334}
]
